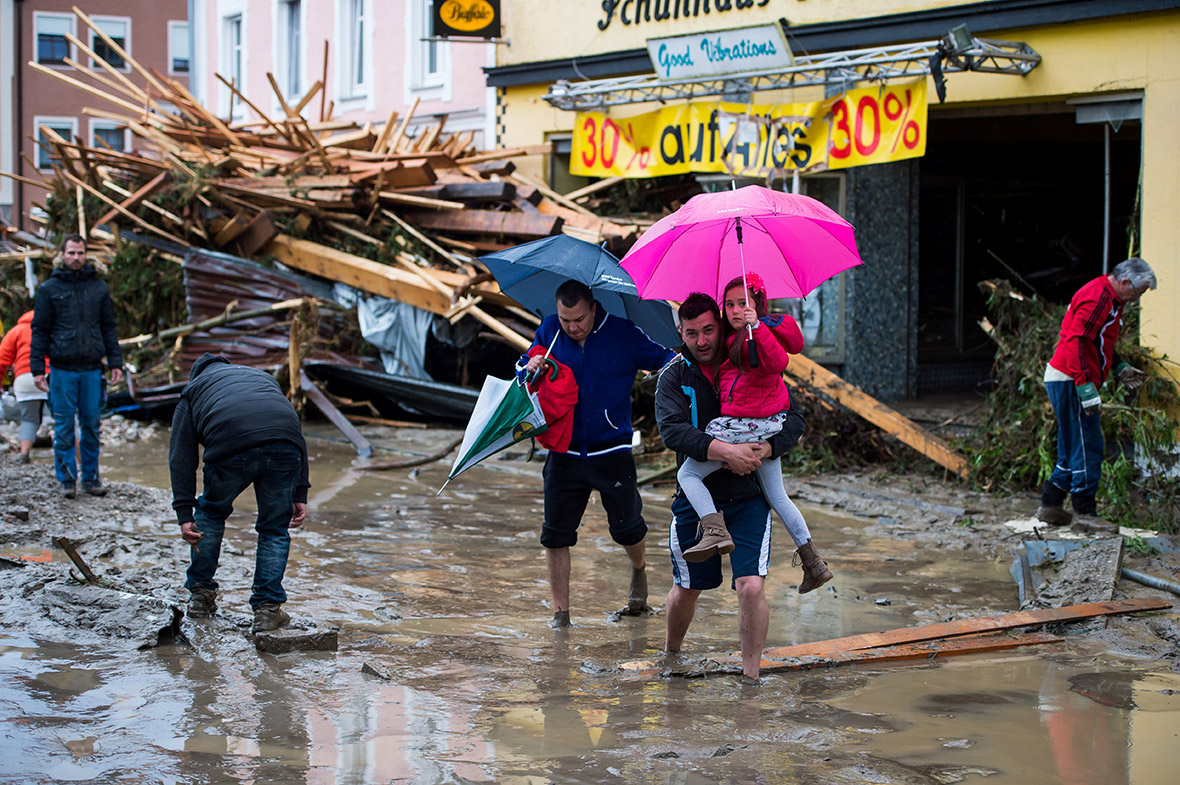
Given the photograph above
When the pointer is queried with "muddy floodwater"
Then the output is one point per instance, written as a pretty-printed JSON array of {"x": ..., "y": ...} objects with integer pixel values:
[{"x": 447, "y": 597}]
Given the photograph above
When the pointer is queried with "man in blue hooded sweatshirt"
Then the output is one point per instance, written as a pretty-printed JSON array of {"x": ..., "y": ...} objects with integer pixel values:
[
  {"x": 252, "y": 435},
  {"x": 604, "y": 352}
]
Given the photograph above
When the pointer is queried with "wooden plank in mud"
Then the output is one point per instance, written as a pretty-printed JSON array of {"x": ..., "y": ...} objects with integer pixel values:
[
  {"x": 837, "y": 650},
  {"x": 950, "y": 629},
  {"x": 976, "y": 644},
  {"x": 806, "y": 371}
]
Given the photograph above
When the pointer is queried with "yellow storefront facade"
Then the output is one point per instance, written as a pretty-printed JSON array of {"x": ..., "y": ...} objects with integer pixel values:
[{"x": 1049, "y": 175}]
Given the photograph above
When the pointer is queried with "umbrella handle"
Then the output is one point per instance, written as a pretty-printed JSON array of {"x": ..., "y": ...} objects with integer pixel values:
[{"x": 752, "y": 347}]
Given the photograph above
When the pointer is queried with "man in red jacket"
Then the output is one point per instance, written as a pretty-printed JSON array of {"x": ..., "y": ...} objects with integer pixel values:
[{"x": 1083, "y": 359}]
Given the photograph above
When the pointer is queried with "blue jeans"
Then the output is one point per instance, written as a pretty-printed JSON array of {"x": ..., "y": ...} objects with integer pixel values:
[
  {"x": 73, "y": 392},
  {"x": 1079, "y": 441},
  {"x": 274, "y": 470}
]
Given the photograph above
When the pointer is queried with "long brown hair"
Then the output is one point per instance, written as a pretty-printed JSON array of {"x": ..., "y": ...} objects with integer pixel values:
[{"x": 756, "y": 298}]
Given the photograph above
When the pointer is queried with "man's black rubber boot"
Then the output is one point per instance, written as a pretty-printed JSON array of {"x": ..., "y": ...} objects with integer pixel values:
[
  {"x": 1051, "y": 495},
  {"x": 1084, "y": 505},
  {"x": 561, "y": 620}
]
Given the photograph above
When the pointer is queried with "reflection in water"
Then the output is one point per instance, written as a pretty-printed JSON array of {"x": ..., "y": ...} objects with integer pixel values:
[{"x": 448, "y": 596}]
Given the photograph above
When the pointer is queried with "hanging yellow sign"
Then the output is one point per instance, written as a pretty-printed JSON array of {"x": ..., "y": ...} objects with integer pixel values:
[{"x": 868, "y": 125}]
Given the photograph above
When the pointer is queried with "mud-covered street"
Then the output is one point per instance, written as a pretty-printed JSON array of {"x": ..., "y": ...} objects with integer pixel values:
[{"x": 446, "y": 670}]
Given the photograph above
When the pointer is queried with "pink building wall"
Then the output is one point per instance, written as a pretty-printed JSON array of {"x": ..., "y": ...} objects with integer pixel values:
[{"x": 392, "y": 62}]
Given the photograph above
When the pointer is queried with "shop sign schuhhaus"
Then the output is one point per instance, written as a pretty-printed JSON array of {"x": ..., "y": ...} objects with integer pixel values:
[{"x": 636, "y": 11}]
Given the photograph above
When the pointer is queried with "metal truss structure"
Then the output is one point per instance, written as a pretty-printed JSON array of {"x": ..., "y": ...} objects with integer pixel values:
[{"x": 876, "y": 64}]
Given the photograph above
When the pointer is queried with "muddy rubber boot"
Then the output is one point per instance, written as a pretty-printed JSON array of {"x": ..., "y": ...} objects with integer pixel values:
[
  {"x": 561, "y": 620},
  {"x": 67, "y": 489},
  {"x": 815, "y": 570},
  {"x": 714, "y": 539},
  {"x": 637, "y": 595},
  {"x": 1052, "y": 510},
  {"x": 202, "y": 603},
  {"x": 269, "y": 616}
]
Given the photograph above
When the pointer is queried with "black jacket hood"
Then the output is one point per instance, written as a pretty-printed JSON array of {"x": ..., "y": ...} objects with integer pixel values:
[{"x": 204, "y": 361}]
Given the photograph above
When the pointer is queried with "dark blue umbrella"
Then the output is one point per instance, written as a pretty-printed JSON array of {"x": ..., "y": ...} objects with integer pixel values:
[{"x": 530, "y": 274}]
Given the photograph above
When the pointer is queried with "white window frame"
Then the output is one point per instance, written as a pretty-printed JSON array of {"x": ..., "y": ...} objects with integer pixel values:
[
  {"x": 57, "y": 123},
  {"x": 421, "y": 84},
  {"x": 109, "y": 125},
  {"x": 179, "y": 24},
  {"x": 354, "y": 93},
  {"x": 93, "y": 38},
  {"x": 236, "y": 76},
  {"x": 283, "y": 53},
  {"x": 37, "y": 17}
]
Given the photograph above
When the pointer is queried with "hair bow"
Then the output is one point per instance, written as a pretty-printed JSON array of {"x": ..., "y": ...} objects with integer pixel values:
[{"x": 754, "y": 283}]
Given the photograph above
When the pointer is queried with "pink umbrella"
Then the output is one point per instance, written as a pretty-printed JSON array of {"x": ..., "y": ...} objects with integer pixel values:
[{"x": 794, "y": 242}]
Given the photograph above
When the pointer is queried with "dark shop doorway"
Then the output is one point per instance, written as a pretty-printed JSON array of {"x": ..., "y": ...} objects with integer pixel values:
[{"x": 1016, "y": 192}]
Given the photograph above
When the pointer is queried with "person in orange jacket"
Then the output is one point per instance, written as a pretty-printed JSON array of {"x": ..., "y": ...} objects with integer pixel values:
[{"x": 14, "y": 353}]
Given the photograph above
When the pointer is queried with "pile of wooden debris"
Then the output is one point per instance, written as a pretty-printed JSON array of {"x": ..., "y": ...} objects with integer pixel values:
[{"x": 415, "y": 211}]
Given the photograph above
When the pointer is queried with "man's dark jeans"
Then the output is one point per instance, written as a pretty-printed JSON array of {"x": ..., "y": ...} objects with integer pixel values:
[{"x": 274, "y": 469}]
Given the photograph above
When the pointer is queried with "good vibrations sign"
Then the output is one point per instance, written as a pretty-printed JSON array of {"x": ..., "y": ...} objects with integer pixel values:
[{"x": 868, "y": 125}]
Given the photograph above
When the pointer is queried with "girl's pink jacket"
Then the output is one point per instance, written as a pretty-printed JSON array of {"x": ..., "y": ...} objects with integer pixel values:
[{"x": 761, "y": 392}]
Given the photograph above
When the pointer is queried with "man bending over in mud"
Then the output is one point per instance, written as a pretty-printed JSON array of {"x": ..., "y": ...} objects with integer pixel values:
[
  {"x": 251, "y": 435},
  {"x": 686, "y": 400}
]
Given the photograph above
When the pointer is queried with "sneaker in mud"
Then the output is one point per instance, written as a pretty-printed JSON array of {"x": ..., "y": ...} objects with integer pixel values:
[
  {"x": 202, "y": 603},
  {"x": 67, "y": 489},
  {"x": 561, "y": 620},
  {"x": 21, "y": 458},
  {"x": 269, "y": 616},
  {"x": 94, "y": 488}
]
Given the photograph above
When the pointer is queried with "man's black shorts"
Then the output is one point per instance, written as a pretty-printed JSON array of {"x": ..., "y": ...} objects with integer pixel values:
[{"x": 568, "y": 482}]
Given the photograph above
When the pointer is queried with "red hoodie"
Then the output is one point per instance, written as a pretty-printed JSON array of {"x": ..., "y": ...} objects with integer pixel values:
[
  {"x": 14, "y": 349},
  {"x": 761, "y": 392}
]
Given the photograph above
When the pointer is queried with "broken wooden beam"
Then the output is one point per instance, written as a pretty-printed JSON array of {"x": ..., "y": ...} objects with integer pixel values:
[
  {"x": 321, "y": 402},
  {"x": 808, "y": 372},
  {"x": 364, "y": 274},
  {"x": 487, "y": 222}
]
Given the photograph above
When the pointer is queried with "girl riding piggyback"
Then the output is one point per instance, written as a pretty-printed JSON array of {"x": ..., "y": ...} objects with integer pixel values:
[{"x": 754, "y": 402}]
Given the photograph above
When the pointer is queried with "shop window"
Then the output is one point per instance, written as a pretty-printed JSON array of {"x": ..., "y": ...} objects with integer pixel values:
[
  {"x": 178, "y": 48},
  {"x": 52, "y": 46},
  {"x": 118, "y": 30},
  {"x": 65, "y": 127},
  {"x": 289, "y": 52}
]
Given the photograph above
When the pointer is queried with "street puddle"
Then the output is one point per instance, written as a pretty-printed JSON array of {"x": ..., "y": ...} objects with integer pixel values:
[{"x": 445, "y": 600}]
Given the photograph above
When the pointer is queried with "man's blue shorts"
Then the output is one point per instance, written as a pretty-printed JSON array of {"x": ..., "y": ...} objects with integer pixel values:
[{"x": 749, "y": 527}]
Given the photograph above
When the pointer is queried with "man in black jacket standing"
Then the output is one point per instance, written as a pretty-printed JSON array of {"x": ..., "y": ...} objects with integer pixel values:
[
  {"x": 686, "y": 400},
  {"x": 74, "y": 325},
  {"x": 251, "y": 435}
]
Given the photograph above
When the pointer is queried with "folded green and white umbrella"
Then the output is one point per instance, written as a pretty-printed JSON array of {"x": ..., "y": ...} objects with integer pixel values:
[{"x": 505, "y": 414}]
